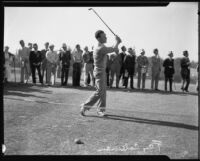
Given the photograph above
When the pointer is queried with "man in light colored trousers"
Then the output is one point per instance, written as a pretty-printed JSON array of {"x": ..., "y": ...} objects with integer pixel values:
[
  {"x": 142, "y": 68},
  {"x": 52, "y": 62},
  {"x": 100, "y": 60},
  {"x": 88, "y": 67},
  {"x": 23, "y": 54},
  {"x": 155, "y": 69}
]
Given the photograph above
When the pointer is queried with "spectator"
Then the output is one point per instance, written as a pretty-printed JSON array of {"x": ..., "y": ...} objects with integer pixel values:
[
  {"x": 35, "y": 63},
  {"x": 44, "y": 61},
  {"x": 77, "y": 59},
  {"x": 88, "y": 66},
  {"x": 142, "y": 68},
  {"x": 122, "y": 54},
  {"x": 7, "y": 64},
  {"x": 156, "y": 68},
  {"x": 185, "y": 71},
  {"x": 24, "y": 54},
  {"x": 129, "y": 67},
  {"x": 169, "y": 71},
  {"x": 64, "y": 57},
  {"x": 52, "y": 62}
]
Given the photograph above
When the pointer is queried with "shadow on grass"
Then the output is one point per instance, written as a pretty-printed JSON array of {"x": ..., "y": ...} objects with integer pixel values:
[
  {"x": 147, "y": 121},
  {"x": 24, "y": 90}
]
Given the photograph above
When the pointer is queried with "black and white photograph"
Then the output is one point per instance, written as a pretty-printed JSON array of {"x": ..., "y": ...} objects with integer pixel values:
[{"x": 101, "y": 80}]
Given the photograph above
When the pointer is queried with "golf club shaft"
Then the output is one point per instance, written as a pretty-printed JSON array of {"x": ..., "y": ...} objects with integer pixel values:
[{"x": 103, "y": 21}]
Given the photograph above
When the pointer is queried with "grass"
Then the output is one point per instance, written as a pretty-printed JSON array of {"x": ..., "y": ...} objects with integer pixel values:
[{"x": 41, "y": 120}]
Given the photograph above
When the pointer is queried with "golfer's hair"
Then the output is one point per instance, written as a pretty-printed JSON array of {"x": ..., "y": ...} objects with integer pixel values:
[{"x": 98, "y": 33}]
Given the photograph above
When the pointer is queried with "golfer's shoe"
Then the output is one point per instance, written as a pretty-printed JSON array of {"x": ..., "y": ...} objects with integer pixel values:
[
  {"x": 83, "y": 110},
  {"x": 101, "y": 113}
]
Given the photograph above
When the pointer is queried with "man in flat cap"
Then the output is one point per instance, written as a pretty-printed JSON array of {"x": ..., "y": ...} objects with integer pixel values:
[
  {"x": 100, "y": 60},
  {"x": 169, "y": 71},
  {"x": 185, "y": 71},
  {"x": 64, "y": 58},
  {"x": 142, "y": 67}
]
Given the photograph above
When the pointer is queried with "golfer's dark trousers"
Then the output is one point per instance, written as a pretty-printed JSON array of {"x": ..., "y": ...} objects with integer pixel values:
[
  {"x": 76, "y": 74},
  {"x": 187, "y": 80},
  {"x": 170, "y": 79},
  {"x": 33, "y": 69},
  {"x": 64, "y": 74},
  {"x": 130, "y": 75}
]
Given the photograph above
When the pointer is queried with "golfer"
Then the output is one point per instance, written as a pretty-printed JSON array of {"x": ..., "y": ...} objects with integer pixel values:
[{"x": 100, "y": 59}]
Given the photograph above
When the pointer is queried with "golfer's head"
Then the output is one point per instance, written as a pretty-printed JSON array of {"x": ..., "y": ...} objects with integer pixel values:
[{"x": 101, "y": 36}]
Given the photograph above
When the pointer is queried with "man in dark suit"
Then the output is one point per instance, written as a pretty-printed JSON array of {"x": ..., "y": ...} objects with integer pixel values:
[
  {"x": 64, "y": 57},
  {"x": 168, "y": 65},
  {"x": 129, "y": 67},
  {"x": 185, "y": 71},
  {"x": 44, "y": 61},
  {"x": 35, "y": 59},
  {"x": 122, "y": 54}
]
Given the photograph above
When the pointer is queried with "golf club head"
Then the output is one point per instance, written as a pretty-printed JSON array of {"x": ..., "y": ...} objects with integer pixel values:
[{"x": 90, "y": 9}]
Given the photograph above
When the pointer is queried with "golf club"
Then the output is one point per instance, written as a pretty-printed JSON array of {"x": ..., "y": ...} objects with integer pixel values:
[{"x": 101, "y": 20}]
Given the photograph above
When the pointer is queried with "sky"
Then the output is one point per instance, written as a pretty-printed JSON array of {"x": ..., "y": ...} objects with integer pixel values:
[{"x": 172, "y": 28}]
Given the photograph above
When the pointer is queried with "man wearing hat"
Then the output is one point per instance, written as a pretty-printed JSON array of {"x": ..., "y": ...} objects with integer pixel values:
[
  {"x": 129, "y": 67},
  {"x": 100, "y": 60},
  {"x": 155, "y": 69},
  {"x": 185, "y": 71},
  {"x": 52, "y": 62},
  {"x": 44, "y": 61},
  {"x": 169, "y": 71},
  {"x": 142, "y": 68},
  {"x": 64, "y": 57}
]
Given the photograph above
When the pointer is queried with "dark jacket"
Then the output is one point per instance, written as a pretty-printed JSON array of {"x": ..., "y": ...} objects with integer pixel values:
[
  {"x": 65, "y": 57},
  {"x": 129, "y": 63},
  {"x": 35, "y": 58},
  {"x": 169, "y": 67}
]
